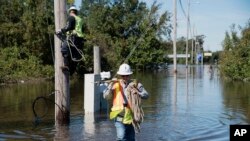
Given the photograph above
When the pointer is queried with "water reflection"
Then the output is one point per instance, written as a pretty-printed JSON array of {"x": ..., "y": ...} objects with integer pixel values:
[
  {"x": 194, "y": 104},
  {"x": 237, "y": 101},
  {"x": 62, "y": 133},
  {"x": 175, "y": 90},
  {"x": 187, "y": 71},
  {"x": 16, "y": 101},
  {"x": 211, "y": 72}
]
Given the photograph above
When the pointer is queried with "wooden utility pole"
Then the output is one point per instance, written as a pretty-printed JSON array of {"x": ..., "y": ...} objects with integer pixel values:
[
  {"x": 62, "y": 95},
  {"x": 187, "y": 33},
  {"x": 97, "y": 63},
  {"x": 175, "y": 35},
  {"x": 192, "y": 53}
]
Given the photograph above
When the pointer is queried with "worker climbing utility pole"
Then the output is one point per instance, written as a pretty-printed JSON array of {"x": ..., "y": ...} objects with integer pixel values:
[{"x": 62, "y": 95}]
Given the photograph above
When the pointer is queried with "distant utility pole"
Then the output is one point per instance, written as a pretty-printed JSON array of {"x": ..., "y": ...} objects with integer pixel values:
[
  {"x": 192, "y": 53},
  {"x": 187, "y": 33},
  {"x": 175, "y": 32},
  {"x": 62, "y": 95},
  {"x": 195, "y": 44}
]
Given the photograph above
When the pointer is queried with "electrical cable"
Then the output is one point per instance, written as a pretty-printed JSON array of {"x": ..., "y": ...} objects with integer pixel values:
[
  {"x": 45, "y": 100},
  {"x": 184, "y": 13}
]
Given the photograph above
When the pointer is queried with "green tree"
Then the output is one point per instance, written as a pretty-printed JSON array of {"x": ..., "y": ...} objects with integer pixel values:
[
  {"x": 235, "y": 58},
  {"x": 26, "y": 31},
  {"x": 122, "y": 25},
  {"x": 29, "y": 24},
  {"x": 227, "y": 45}
]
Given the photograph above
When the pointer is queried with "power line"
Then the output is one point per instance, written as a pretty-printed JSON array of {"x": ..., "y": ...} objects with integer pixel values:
[{"x": 182, "y": 9}]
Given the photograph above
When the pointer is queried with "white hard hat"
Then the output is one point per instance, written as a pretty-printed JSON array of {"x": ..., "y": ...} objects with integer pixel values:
[
  {"x": 124, "y": 69},
  {"x": 73, "y": 7}
]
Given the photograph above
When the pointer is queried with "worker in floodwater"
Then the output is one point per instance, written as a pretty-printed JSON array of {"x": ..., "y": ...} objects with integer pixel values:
[{"x": 127, "y": 115}]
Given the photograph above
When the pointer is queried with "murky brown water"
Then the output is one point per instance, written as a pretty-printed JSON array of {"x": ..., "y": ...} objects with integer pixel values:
[{"x": 199, "y": 107}]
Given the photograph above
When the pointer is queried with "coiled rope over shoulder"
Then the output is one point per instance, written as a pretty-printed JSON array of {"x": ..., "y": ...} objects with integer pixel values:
[{"x": 134, "y": 100}]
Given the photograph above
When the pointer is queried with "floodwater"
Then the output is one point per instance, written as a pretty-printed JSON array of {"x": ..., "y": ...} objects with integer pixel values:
[{"x": 195, "y": 104}]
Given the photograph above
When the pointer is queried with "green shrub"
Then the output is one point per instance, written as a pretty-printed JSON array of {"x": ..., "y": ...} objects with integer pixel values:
[{"x": 17, "y": 63}]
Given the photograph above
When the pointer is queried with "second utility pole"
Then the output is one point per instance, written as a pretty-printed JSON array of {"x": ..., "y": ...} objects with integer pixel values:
[
  {"x": 175, "y": 32},
  {"x": 187, "y": 34}
]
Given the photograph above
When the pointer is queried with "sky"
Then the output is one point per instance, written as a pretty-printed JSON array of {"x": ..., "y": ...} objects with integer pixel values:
[{"x": 211, "y": 18}]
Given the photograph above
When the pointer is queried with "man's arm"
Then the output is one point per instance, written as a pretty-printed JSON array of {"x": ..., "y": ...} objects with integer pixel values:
[
  {"x": 107, "y": 93},
  {"x": 70, "y": 25}
]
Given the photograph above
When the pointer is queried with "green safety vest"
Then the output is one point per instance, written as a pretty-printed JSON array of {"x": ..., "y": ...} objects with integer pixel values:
[
  {"x": 78, "y": 27},
  {"x": 118, "y": 106}
]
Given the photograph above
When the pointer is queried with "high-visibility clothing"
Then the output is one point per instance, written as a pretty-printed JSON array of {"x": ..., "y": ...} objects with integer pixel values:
[
  {"x": 118, "y": 104},
  {"x": 78, "y": 27}
]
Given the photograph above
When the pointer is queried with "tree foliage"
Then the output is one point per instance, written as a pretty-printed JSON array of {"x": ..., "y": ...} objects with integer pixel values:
[
  {"x": 117, "y": 26},
  {"x": 235, "y": 58},
  {"x": 18, "y": 63},
  {"x": 121, "y": 26},
  {"x": 26, "y": 25}
]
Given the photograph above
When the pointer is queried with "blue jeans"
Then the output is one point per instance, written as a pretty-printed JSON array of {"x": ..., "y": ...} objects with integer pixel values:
[{"x": 125, "y": 132}]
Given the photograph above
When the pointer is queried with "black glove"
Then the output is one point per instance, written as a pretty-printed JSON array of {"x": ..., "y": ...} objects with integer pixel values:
[{"x": 60, "y": 35}]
